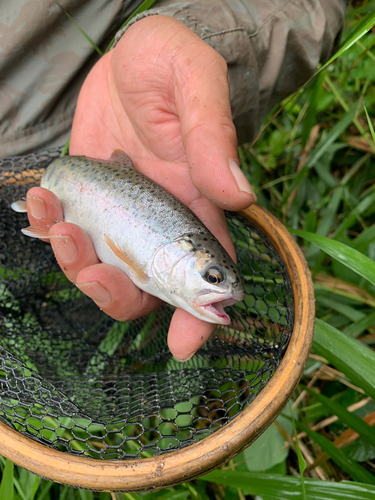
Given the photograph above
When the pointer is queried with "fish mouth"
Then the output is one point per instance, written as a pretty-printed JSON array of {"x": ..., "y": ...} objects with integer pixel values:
[{"x": 213, "y": 310}]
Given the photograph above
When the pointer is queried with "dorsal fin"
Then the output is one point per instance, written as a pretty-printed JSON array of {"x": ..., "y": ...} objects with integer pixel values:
[{"x": 119, "y": 156}]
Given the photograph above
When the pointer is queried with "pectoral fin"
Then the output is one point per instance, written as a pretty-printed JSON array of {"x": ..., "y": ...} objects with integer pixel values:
[
  {"x": 36, "y": 232},
  {"x": 19, "y": 206},
  {"x": 134, "y": 266}
]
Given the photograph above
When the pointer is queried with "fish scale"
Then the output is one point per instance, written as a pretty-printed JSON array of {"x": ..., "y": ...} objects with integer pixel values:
[
  {"x": 139, "y": 227},
  {"x": 155, "y": 206}
]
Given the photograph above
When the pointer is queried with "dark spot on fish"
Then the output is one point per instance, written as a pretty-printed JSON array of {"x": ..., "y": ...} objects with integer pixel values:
[{"x": 205, "y": 239}]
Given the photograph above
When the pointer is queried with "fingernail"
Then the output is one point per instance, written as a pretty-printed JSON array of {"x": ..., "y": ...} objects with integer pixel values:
[
  {"x": 96, "y": 292},
  {"x": 240, "y": 178},
  {"x": 65, "y": 248},
  {"x": 183, "y": 360},
  {"x": 37, "y": 207}
]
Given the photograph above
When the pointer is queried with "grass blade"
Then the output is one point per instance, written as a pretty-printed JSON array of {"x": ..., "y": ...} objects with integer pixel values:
[
  {"x": 331, "y": 137},
  {"x": 347, "y": 355},
  {"x": 6, "y": 488},
  {"x": 326, "y": 221},
  {"x": 301, "y": 464},
  {"x": 370, "y": 125},
  {"x": 365, "y": 238},
  {"x": 348, "y": 418},
  {"x": 349, "y": 312},
  {"x": 361, "y": 29},
  {"x": 355, "y": 329},
  {"x": 47, "y": 485},
  {"x": 351, "y": 258},
  {"x": 280, "y": 487},
  {"x": 351, "y": 218},
  {"x": 310, "y": 119},
  {"x": 147, "y": 4},
  {"x": 320, "y": 150},
  {"x": 86, "y": 495},
  {"x": 92, "y": 43},
  {"x": 66, "y": 147},
  {"x": 357, "y": 472}
]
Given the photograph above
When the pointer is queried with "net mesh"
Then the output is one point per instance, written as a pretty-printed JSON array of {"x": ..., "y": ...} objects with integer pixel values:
[{"x": 77, "y": 381}]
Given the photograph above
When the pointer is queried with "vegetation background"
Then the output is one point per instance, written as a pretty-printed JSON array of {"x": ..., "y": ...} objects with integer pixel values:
[{"x": 314, "y": 165}]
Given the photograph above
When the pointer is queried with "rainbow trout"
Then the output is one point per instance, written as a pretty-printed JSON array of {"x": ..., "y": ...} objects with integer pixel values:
[{"x": 139, "y": 227}]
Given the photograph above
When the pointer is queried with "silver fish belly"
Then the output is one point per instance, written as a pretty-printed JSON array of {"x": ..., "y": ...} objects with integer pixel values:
[{"x": 139, "y": 227}]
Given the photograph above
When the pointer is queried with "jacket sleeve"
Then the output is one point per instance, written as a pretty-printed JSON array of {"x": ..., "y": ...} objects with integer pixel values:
[{"x": 272, "y": 47}]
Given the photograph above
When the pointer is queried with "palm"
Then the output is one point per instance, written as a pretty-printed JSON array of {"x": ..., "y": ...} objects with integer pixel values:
[{"x": 144, "y": 124}]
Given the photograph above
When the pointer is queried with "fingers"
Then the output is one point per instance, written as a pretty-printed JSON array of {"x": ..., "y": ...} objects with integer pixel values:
[
  {"x": 187, "y": 334},
  {"x": 214, "y": 218},
  {"x": 43, "y": 208},
  {"x": 109, "y": 287},
  {"x": 73, "y": 249},
  {"x": 203, "y": 103},
  {"x": 115, "y": 293}
]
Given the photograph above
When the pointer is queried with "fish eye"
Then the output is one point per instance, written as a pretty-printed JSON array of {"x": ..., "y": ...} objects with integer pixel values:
[{"x": 213, "y": 276}]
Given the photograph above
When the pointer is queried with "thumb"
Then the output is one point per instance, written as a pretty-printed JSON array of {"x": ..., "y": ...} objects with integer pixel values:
[{"x": 209, "y": 135}]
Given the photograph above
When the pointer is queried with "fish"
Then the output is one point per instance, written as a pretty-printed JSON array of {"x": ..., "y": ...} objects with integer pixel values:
[{"x": 142, "y": 229}]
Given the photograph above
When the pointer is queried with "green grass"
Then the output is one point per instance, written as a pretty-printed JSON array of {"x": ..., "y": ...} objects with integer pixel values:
[{"x": 313, "y": 166}]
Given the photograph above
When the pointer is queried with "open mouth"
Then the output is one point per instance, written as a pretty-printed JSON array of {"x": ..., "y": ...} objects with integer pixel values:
[{"x": 216, "y": 308}]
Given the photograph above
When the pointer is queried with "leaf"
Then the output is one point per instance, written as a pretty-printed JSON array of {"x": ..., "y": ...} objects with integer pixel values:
[
  {"x": 46, "y": 486},
  {"x": 350, "y": 257},
  {"x": 280, "y": 487},
  {"x": 145, "y": 5},
  {"x": 270, "y": 448},
  {"x": 65, "y": 148},
  {"x": 346, "y": 354},
  {"x": 301, "y": 464},
  {"x": 370, "y": 125},
  {"x": 326, "y": 222},
  {"x": 86, "y": 495},
  {"x": 92, "y": 43},
  {"x": 364, "y": 239},
  {"x": 321, "y": 149},
  {"x": 357, "y": 328},
  {"x": 6, "y": 488},
  {"x": 349, "y": 312},
  {"x": 352, "y": 217},
  {"x": 348, "y": 418},
  {"x": 361, "y": 29},
  {"x": 310, "y": 118},
  {"x": 360, "y": 450},
  {"x": 267, "y": 451},
  {"x": 331, "y": 137},
  {"x": 356, "y": 471}
]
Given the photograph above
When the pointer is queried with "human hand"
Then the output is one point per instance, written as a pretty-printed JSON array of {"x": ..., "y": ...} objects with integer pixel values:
[{"x": 162, "y": 95}]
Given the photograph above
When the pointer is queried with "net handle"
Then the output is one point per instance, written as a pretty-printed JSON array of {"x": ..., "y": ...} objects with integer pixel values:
[{"x": 194, "y": 460}]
